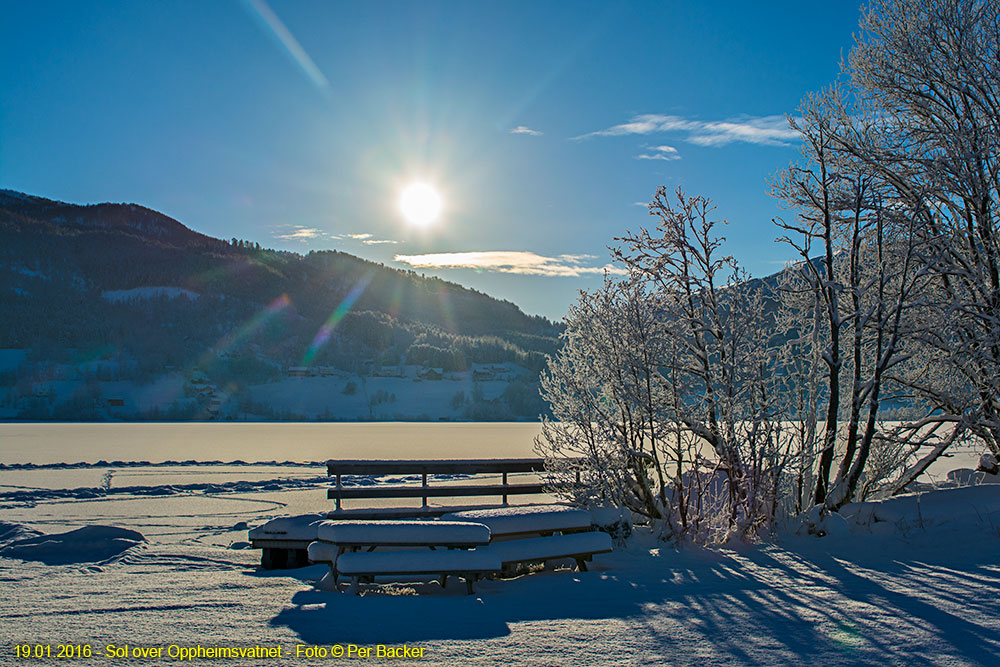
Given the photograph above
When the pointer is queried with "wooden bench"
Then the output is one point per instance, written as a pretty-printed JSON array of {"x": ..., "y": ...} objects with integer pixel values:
[{"x": 286, "y": 545}]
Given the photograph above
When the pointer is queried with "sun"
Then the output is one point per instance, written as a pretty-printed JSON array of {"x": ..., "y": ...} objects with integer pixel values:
[{"x": 420, "y": 204}]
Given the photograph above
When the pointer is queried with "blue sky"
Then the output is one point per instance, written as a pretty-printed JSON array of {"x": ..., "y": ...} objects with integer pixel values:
[{"x": 297, "y": 124}]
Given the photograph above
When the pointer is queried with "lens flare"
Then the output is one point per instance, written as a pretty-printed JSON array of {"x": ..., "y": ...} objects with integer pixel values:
[{"x": 323, "y": 335}]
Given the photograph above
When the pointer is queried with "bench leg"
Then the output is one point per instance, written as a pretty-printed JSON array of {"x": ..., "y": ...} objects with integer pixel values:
[
  {"x": 444, "y": 580},
  {"x": 273, "y": 559},
  {"x": 469, "y": 578},
  {"x": 355, "y": 588},
  {"x": 581, "y": 565}
]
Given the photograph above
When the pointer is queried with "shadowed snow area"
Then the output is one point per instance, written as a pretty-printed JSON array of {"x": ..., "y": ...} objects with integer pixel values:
[{"x": 895, "y": 585}]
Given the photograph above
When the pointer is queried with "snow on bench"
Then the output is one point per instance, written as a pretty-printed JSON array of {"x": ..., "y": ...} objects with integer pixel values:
[
  {"x": 578, "y": 546},
  {"x": 461, "y": 534},
  {"x": 299, "y": 528},
  {"x": 526, "y": 519},
  {"x": 324, "y": 552},
  {"x": 470, "y": 565}
]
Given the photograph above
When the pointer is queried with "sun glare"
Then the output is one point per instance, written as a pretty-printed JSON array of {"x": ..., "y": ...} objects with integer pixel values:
[{"x": 420, "y": 204}]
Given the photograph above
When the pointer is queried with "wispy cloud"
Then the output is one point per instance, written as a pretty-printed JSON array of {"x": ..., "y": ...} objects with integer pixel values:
[
  {"x": 523, "y": 129},
  {"x": 659, "y": 153},
  {"x": 301, "y": 233},
  {"x": 368, "y": 239},
  {"x": 762, "y": 130},
  {"x": 511, "y": 261}
]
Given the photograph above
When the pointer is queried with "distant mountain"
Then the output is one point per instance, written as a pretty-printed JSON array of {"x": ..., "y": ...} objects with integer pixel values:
[{"x": 125, "y": 284}]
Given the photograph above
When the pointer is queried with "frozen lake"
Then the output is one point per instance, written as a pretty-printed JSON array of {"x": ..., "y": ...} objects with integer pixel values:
[
  {"x": 204, "y": 500},
  {"x": 269, "y": 441}
]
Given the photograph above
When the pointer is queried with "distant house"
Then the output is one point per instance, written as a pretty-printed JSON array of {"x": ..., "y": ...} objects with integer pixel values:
[
  {"x": 481, "y": 376},
  {"x": 300, "y": 371},
  {"x": 433, "y": 374}
]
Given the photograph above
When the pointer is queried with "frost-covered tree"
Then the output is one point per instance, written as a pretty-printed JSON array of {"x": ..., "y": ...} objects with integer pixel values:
[
  {"x": 851, "y": 297},
  {"x": 926, "y": 80},
  {"x": 665, "y": 384},
  {"x": 605, "y": 396}
]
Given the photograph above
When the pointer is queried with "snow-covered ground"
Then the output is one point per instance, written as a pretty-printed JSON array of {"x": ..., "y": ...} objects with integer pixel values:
[{"x": 906, "y": 582}]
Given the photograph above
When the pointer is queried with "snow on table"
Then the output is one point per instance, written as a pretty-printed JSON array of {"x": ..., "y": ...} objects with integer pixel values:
[
  {"x": 417, "y": 562},
  {"x": 403, "y": 533},
  {"x": 526, "y": 518}
]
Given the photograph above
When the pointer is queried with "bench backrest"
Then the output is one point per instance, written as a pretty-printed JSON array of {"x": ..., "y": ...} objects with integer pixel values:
[{"x": 426, "y": 469}]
